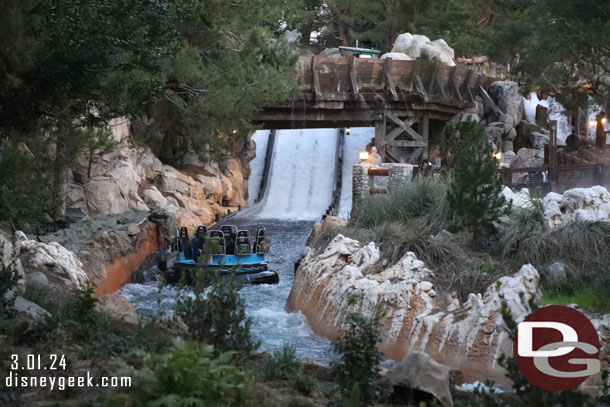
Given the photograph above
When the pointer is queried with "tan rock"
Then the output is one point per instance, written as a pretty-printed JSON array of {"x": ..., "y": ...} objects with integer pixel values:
[
  {"x": 118, "y": 307},
  {"x": 133, "y": 229},
  {"x": 419, "y": 371}
]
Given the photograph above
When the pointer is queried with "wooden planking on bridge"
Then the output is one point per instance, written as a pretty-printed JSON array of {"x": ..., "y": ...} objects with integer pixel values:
[{"x": 350, "y": 78}]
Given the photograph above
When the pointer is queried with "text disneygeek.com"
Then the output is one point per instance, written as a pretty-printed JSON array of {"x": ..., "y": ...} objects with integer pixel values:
[{"x": 22, "y": 369}]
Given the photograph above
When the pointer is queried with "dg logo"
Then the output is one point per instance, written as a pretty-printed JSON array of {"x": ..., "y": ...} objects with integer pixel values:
[{"x": 556, "y": 348}]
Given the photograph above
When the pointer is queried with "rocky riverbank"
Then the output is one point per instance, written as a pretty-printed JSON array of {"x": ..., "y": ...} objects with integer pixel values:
[
  {"x": 467, "y": 335},
  {"x": 122, "y": 206}
]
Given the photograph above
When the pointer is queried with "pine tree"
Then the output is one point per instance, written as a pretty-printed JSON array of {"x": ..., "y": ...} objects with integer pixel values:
[{"x": 474, "y": 191}]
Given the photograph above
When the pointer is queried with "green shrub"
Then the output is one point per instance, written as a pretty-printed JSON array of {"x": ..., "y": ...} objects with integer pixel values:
[
  {"x": 423, "y": 200},
  {"x": 216, "y": 314},
  {"x": 187, "y": 375},
  {"x": 303, "y": 383},
  {"x": 283, "y": 365},
  {"x": 359, "y": 363}
]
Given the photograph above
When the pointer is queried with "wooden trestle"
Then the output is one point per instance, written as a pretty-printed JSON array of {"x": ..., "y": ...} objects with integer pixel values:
[{"x": 399, "y": 98}]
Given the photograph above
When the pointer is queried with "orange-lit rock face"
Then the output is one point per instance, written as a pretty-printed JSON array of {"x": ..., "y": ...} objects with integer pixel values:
[
  {"x": 120, "y": 270},
  {"x": 468, "y": 336}
]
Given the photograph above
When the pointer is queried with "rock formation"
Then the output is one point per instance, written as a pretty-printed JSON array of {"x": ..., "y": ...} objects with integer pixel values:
[
  {"x": 416, "y": 46},
  {"x": 469, "y": 336},
  {"x": 111, "y": 247},
  {"x": 132, "y": 178},
  {"x": 419, "y": 371},
  {"x": 577, "y": 204},
  {"x": 58, "y": 264}
]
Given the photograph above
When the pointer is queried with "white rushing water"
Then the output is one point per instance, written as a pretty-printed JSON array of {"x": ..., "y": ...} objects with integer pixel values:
[
  {"x": 301, "y": 180},
  {"x": 355, "y": 143},
  {"x": 257, "y": 165},
  {"x": 556, "y": 112},
  {"x": 299, "y": 190}
]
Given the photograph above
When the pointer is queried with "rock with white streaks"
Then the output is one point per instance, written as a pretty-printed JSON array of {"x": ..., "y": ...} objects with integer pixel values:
[
  {"x": 469, "y": 336},
  {"x": 577, "y": 204}
]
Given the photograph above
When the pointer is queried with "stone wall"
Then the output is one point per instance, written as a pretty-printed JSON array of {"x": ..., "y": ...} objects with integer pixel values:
[{"x": 363, "y": 183}]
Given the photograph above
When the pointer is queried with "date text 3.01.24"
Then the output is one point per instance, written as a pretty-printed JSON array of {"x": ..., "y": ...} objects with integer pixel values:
[{"x": 38, "y": 362}]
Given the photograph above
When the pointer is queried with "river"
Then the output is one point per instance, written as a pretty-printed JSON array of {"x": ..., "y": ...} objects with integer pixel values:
[{"x": 299, "y": 190}]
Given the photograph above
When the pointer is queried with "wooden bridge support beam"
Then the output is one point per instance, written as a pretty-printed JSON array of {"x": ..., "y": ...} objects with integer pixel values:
[
  {"x": 380, "y": 136},
  {"x": 426, "y": 135},
  {"x": 397, "y": 141}
]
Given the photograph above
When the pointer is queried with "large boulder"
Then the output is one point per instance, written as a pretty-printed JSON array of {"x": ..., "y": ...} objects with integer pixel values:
[
  {"x": 507, "y": 96},
  {"x": 416, "y": 46},
  {"x": 419, "y": 371},
  {"x": 332, "y": 52},
  {"x": 528, "y": 158},
  {"x": 32, "y": 310},
  {"x": 118, "y": 307},
  {"x": 291, "y": 37},
  {"x": 467, "y": 336},
  {"x": 577, "y": 204},
  {"x": 537, "y": 140},
  {"x": 520, "y": 199},
  {"x": 494, "y": 132},
  {"x": 399, "y": 56},
  {"x": 61, "y": 266}
]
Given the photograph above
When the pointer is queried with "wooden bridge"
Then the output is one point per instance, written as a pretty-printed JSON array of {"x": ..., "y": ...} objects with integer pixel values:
[{"x": 408, "y": 102}]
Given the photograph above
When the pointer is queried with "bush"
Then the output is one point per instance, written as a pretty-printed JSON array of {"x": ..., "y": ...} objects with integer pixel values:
[
  {"x": 423, "y": 201},
  {"x": 359, "y": 364},
  {"x": 303, "y": 383},
  {"x": 187, "y": 375},
  {"x": 581, "y": 245},
  {"x": 216, "y": 314},
  {"x": 283, "y": 365}
]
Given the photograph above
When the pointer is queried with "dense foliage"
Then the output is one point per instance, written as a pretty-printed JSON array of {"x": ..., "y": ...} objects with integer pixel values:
[
  {"x": 216, "y": 314},
  {"x": 357, "y": 371},
  {"x": 196, "y": 69},
  {"x": 186, "y": 375}
]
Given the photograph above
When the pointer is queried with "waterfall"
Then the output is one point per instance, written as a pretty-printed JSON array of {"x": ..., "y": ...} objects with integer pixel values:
[{"x": 301, "y": 180}]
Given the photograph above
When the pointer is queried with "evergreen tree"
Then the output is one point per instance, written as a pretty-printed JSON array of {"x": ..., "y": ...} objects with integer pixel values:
[
  {"x": 561, "y": 44},
  {"x": 475, "y": 188}
]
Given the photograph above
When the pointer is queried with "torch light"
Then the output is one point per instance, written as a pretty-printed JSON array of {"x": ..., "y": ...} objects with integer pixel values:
[{"x": 348, "y": 131}]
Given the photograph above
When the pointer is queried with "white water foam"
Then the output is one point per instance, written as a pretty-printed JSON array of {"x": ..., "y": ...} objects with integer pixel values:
[
  {"x": 556, "y": 112},
  {"x": 257, "y": 164},
  {"x": 354, "y": 144},
  {"x": 302, "y": 173}
]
